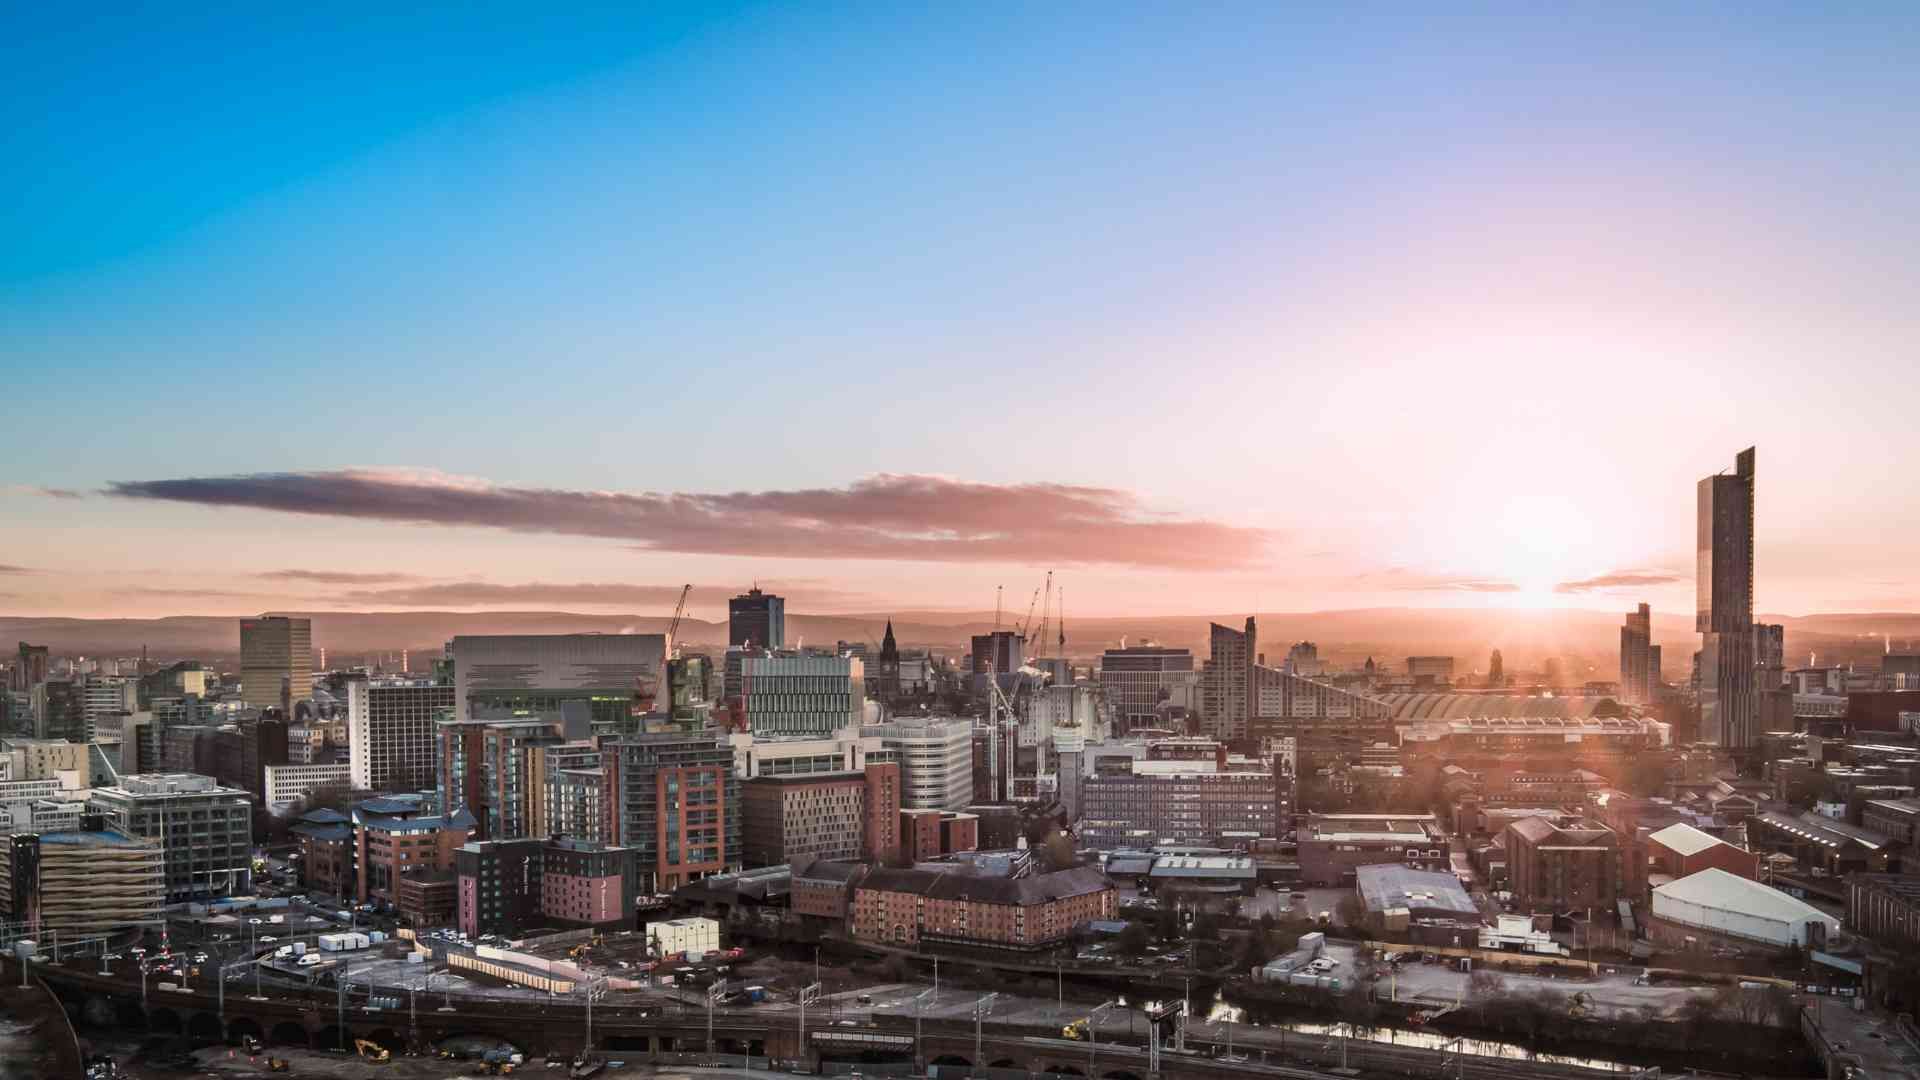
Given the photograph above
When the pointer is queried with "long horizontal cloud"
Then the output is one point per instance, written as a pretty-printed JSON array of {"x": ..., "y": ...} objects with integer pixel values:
[
  {"x": 334, "y": 577},
  {"x": 6, "y": 569},
  {"x": 1619, "y": 579},
  {"x": 478, "y": 593},
  {"x": 1400, "y": 579},
  {"x": 886, "y": 516}
]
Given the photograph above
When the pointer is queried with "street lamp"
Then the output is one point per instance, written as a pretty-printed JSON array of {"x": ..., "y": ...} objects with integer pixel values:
[
  {"x": 714, "y": 993},
  {"x": 588, "y": 1048},
  {"x": 808, "y": 994},
  {"x": 980, "y": 1010},
  {"x": 919, "y": 1006}
]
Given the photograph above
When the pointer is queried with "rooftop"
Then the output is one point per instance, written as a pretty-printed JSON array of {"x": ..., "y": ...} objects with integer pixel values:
[
  {"x": 1025, "y": 891},
  {"x": 102, "y": 836},
  {"x": 1683, "y": 839},
  {"x": 1718, "y": 890},
  {"x": 1391, "y": 885}
]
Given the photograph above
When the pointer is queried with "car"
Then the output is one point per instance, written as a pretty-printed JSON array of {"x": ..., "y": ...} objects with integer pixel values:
[
  {"x": 268, "y": 939},
  {"x": 200, "y": 958},
  {"x": 137, "y": 951},
  {"x": 865, "y": 999},
  {"x": 113, "y": 956}
]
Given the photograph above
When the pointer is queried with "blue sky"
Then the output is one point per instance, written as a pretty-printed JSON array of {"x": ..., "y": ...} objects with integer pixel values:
[{"x": 1322, "y": 274}]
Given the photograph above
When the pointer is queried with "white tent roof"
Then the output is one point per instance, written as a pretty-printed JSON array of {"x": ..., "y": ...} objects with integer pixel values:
[
  {"x": 1715, "y": 888},
  {"x": 1684, "y": 839}
]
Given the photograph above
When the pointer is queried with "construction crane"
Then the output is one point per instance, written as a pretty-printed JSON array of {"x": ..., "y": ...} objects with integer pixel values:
[
  {"x": 996, "y": 606},
  {"x": 1021, "y": 626},
  {"x": 673, "y": 628},
  {"x": 1046, "y": 615}
]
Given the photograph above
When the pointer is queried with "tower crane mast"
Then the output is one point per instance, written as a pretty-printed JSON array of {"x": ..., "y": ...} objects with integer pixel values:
[{"x": 673, "y": 628}]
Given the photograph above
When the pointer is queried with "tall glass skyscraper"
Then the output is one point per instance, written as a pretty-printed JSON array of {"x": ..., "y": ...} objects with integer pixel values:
[{"x": 1729, "y": 708}]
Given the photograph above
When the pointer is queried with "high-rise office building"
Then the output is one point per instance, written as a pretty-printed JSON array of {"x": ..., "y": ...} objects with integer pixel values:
[
  {"x": 802, "y": 696},
  {"x": 393, "y": 732},
  {"x": 935, "y": 756},
  {"x": 59, "y": 710},
  {"x": 621, "y": 677},
  {"x": 1304, "y": 659},
  {"x": 276, "y": 661},
  {"x": 104, "y": 699},
  {"x": 1636, "y": 644},
  {"x": 1227, "y": 684},
  {"x": 758, "y": 619},
  {"x": 205, "y": 830},
  {"x": 30, "y": 668},
  {"x": 1139, "y": 679},
  {"x": 1729, "y": 711},
  {"x": 1003, "y": 650},
  {"x": 1496, "y": 670}
]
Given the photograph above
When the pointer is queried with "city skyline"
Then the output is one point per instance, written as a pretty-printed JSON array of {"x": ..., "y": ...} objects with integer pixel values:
[{"x": 1244, "y": 310}]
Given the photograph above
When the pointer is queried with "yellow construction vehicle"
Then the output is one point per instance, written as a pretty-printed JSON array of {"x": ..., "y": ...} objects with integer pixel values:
[
  {"x": 1580, "y": 1006},
  {"x": 278, "y": 1064},
  {"x": 1076, "y": 1031},
  {"x": 372, "y": 1051}
]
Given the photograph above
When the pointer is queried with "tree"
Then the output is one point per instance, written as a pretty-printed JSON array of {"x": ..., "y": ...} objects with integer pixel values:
[
  {"x": 1057, "y": 851},
  {"x": 1133, "y": 940},
  {"x": 1350, "y": 911}
]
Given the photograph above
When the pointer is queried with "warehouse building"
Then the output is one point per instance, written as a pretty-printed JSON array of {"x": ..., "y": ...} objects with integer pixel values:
[
  {"x": 1885, "y": 907},
  {"x": 1333, "y": 846},
  {"x": 1402, "y": 894},
  {"x": 1713, "y": 904}
]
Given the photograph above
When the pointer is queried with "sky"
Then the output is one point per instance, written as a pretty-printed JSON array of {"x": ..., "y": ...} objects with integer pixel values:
[{"x": 1255, "y": 307}]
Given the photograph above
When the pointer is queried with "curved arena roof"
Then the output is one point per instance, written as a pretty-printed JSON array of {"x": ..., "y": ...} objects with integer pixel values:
[{"x": 1410, "y": 707}]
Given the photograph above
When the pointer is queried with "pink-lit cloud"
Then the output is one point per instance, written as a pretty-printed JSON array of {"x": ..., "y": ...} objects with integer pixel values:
[
  {"x": 885, "y": 516},
  {"x": 482, "y": 594},
  {"x": 1619, "y": 579},
  {"x": 335, "y": 577}
]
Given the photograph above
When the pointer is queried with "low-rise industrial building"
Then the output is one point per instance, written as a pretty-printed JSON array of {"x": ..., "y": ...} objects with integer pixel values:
[
  {"x": 1680, "y": 850},
  {"x": 1715, "y": 903},
  {"x": 1824, "y": 847},
  {"x": 1211, "y": 873},
  {"x": 1333, "y": 846},
  {"x": 1885, "y": 907},
  {"x": 1399, "y": 893}
]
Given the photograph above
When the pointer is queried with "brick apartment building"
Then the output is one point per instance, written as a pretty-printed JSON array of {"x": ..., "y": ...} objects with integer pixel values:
[
  {"x": 1572, "y": 864},
  {"x": 326, "y": 842},
  {"x": 393, "y": 839},
  {"x": 822, "y": 890},
  {"x": 905, "y": 907},
  {"x": 837, "y": 815},
  {"x": 929, "y": 834},
  {"x": 507, "y": 887}
]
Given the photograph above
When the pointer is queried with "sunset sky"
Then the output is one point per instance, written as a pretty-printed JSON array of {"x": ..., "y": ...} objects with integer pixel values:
[{"x": 1236, "y": 309}]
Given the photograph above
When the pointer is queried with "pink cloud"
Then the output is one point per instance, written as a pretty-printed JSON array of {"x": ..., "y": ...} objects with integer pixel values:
[{"x": 886, "y": 516}]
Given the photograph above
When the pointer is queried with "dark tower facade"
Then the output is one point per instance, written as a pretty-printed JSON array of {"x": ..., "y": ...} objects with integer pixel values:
[{"x": 1729, "y": 712}]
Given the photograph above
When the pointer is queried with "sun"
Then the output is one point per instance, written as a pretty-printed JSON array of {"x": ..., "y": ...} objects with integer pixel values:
[{"x": 1540, "y": 541}]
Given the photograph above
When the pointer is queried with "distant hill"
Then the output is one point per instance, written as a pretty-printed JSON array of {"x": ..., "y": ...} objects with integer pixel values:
[{"x": 1387, "y": 634}]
